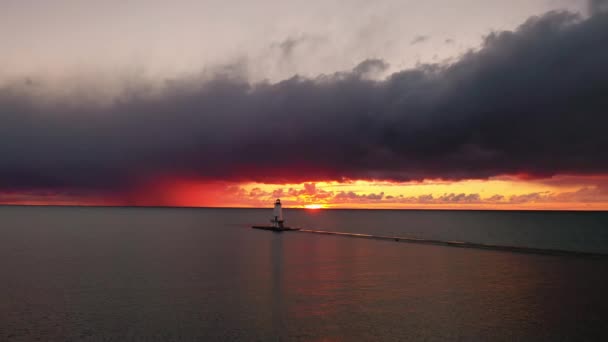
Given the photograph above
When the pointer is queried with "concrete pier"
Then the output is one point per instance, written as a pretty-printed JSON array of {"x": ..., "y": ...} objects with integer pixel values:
[
  {"x": 277, "y": 222},
  {"x": 275, "y": 229}
]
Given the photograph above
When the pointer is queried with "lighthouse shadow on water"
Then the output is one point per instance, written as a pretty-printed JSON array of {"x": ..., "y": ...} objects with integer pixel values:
[{"x": 277, "y": 221}]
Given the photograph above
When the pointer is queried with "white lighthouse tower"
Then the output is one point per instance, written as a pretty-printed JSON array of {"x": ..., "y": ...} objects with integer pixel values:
[
  {"x": 277, "y": 215},
  {"x": 277, "y": 220}
]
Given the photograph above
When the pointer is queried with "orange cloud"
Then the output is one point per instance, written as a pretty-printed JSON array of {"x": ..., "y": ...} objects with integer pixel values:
[{"x": 558, "y": 194}]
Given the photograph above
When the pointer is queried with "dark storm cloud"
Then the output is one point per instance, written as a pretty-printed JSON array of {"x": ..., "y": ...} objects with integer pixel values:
[
  {"x": 532, "y": 101},
  {"x": 370, "y": 68},
  {"x": 598, "y": 6}
]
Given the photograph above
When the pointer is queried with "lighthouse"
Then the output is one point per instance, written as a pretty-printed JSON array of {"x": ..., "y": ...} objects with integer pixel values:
[
  {"x": 276, "y": 220},
  {"x": 277, "y": 215}
]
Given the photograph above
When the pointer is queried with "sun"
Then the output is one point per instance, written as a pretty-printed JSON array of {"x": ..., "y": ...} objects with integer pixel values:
[{"x": 313, "y": 206}]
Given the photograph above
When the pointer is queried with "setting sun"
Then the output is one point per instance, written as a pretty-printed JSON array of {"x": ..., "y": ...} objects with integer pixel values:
[{"x": 313, "y": 206}]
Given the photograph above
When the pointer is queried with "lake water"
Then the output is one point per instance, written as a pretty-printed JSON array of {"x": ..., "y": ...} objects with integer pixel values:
[{"x": 159, "y": 274}]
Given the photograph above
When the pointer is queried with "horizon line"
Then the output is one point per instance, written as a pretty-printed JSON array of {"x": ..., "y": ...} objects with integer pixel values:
[{"x": 296, "y": 208}]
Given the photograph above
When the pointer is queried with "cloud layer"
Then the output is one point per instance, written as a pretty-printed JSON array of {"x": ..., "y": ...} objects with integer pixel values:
[{"x": 529, "y": 102}]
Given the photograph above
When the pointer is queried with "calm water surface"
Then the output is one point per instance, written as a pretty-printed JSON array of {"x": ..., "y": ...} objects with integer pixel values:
[{"x": 127, "y": 274}]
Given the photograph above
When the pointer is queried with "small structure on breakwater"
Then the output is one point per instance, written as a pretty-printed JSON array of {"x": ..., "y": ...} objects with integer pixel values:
[{"x": 277, "y": 220}]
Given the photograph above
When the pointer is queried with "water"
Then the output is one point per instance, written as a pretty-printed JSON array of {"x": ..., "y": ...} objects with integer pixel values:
[
  {"x": 127, "y": 274},
  {"x": 571, "y": 231}
]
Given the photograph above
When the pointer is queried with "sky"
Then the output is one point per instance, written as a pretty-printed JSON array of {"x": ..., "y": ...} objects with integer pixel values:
[{"x": 432, "y": 104}]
